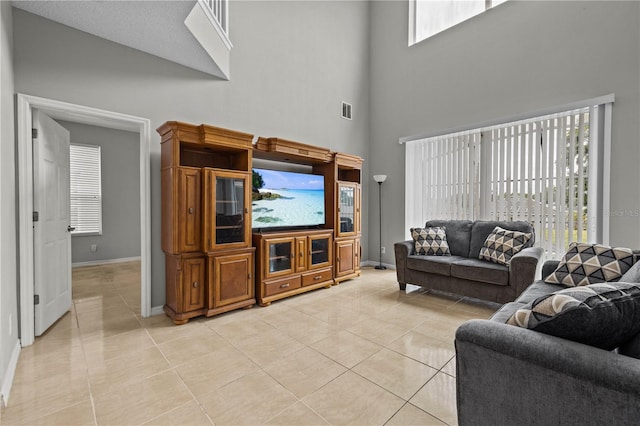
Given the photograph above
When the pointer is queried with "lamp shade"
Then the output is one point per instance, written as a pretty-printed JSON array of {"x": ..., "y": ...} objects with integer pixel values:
[{"x": 379, "y": 178}]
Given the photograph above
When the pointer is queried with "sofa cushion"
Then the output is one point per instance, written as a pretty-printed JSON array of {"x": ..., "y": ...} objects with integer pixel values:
[
  {"x": 458, "y": 234},
  {"x": 537, "y": 289},
  {"x": 481, "y": 230},
  {"x": 431, "y": 241},
  {"x": 502, "y": 244},
  {"x": 479, "y": 270},
  {"x": 506, "y": 311},
  {"x": 585, "y": 264},
  {"x": 604, "y": 315},
  {"x": 631, "y": 347},
  {"x": 632, "y": 275},
  {"x": 433, "y": 264}
]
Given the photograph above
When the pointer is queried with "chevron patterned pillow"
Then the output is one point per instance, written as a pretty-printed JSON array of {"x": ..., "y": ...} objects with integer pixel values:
[
  {"x": 605, "y": 315},
  {"x": 501, "y": 245},
  {"x": 585, "y": 264},
  {"x": 431, "y": 241}
]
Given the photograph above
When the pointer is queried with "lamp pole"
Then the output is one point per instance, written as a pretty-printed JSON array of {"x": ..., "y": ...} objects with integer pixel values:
[{"x": 380, "y": 179}]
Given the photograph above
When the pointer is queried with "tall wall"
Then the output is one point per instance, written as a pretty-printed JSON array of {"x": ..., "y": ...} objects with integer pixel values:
[
  {"x": 291, "y": 65},
  {"x": 8, "y": 262},
  {"x": 520, "y": 57},
  {"x": 120, "y": 167}
]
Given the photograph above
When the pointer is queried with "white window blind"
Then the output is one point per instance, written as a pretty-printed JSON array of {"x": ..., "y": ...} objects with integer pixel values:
[
  {"x": 86, "y": 189},
  {"x": 547, "y": 170}
]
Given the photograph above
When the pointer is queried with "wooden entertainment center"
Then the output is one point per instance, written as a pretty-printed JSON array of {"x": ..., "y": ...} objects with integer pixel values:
[{"x": 213, "y": 262}]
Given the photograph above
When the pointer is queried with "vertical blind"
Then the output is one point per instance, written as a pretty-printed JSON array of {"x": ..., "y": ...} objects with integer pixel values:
[
  {"x": 86, "y": 189},
  {"x": 542, "y": 170}
]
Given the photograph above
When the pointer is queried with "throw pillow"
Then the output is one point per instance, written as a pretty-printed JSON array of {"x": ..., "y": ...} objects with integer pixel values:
[
  {"x": 632, "y": 275},
  {"x": 585, "y": 264},
  {"x": 501, "y": 245},
  {"x": 603, "y": 315},
  {"x": 431, "y": 241}
]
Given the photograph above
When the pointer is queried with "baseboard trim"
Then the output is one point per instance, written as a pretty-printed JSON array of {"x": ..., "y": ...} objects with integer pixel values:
[
  {"x": 157, "y": 310},
  {"x": 7, "y": 380},
  {"x": 105, "y": 262},
  {"x": 376, "y": 263}
]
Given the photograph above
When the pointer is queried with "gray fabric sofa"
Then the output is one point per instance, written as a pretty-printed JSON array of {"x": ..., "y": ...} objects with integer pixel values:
[
  {"x": 508, "y": 375},
  {"x": 463, "y": 272}
]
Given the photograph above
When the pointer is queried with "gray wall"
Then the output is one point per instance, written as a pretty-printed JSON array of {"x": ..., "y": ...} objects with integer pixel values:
[
  {"x": 291, "y": 65},
  {"x": 120, "y": 155},
  {"x": 8, "y": 245},
  {"x": 521, "y": 56}
]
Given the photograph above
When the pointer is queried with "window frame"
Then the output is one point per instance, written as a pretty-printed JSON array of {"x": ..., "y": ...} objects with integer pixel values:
[{"x": 79, "y": 228}]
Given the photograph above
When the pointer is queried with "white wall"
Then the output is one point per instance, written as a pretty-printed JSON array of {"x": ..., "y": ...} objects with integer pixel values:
[
  {"x": 292, "y": 64},
  {"x": 120, "y": 166},
  {"x": 8, "y": 265},
  {"x": 521, "y": 56}
]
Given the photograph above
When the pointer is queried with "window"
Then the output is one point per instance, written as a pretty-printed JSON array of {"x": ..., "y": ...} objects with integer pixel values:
[
  {"x": 429, "y": 17},
  {"x": 86, "y": 189},
  {"x": 547, "y": 170}
]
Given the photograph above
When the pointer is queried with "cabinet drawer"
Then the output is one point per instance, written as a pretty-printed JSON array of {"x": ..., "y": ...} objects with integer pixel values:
[
  {"x": 274, "y": 287},
  {"x": 317, "y": 277}
]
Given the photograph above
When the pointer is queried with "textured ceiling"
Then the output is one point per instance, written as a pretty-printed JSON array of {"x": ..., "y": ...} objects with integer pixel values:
[{"x": 155, "y": 27}]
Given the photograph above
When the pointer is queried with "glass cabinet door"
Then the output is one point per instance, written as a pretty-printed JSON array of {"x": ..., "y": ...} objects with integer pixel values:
[
  {"x": 346, "y": 208},
  {"x": 320, "y": 253},
  {"x": 280, "y": 256},
  {"x": 230, "y": 210}
]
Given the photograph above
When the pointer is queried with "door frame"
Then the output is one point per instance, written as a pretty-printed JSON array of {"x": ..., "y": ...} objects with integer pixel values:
[{"x": 85, "y": 115}]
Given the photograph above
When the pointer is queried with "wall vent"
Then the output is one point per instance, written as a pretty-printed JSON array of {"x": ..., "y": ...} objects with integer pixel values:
[{"x": 346, "y": 110}]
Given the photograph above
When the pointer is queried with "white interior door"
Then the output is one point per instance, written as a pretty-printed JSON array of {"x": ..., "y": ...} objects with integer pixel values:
[{"x": 51, "y": 232}]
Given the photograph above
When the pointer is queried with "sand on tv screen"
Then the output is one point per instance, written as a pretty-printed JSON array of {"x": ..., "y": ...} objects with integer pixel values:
[{"x": 286, "y": 199}]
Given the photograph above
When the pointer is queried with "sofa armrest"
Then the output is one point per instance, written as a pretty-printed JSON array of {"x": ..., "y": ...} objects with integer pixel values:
[
  {"x": 548, "y": 267},
  {"x": 522, "y": 268},
  {"x": 402, "y": 250},
  {"x": 510, "y": 375}
]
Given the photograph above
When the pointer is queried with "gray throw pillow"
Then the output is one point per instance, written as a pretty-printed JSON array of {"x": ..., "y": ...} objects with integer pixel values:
[
  {"x": 632, "y": 275},
  {"x": 604, "y": 315}
]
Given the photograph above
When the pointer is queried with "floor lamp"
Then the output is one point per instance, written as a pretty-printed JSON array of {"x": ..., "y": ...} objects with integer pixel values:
[{"x": 380, "y": 179}]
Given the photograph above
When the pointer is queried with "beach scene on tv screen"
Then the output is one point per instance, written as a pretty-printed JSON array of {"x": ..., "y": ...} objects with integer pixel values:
[{"x": 282, "y": 198}]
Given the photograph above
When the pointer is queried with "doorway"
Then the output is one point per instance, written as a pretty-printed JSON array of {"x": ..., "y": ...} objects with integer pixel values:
[{"x": 84, "y": 115}]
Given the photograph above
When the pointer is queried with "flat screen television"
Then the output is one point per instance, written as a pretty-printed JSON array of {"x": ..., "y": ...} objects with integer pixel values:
[{"x": 286, "y": 199}]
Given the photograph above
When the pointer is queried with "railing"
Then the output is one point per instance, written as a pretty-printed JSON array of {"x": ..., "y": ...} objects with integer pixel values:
[{"x": 220, "y": 11}]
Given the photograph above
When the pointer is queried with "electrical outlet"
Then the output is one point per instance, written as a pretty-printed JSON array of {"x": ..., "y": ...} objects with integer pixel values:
[
  {"x": 94, "y": 248},
  {"x": 383, "y": 250}
]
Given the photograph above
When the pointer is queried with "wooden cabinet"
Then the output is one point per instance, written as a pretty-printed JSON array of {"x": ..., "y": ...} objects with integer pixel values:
[
  {"x": 292, "y": 263},
  {"x": 348, "y": 222},
  {"x": 206, "y": 223}
]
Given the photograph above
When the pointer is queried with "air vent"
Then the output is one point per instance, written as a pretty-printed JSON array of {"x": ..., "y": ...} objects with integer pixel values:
[{"x": 346, "y": 110}]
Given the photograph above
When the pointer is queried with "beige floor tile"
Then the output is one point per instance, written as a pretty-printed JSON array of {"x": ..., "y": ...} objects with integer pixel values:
[
  {"x": 379, "y": 331},
  {"x": 115, "y": 373},
  {"x": 450, "y": 367},
  {"x": 346, "y": 348},
  {"x": 190, "y": 414},
  {"x": 305, "y": 371},
  {"x": 412, "y": 415},
  {"x": 78, "y": 414},
  {"x": 438, "y": 398},
  {"x": 268, "y": 348},
  {"x": 296, "y": 415},
  {"x": 109, "y": 327},
  {"x": 191, "y": 347},
  {"x": 100, "y": 302},
  {"x": 239, "y": 330},
  {"x": 432, "y": 352},
  {"x": 142, "y": 401},
  {"x": 250, "y": 400},
  {"x": 98, "y": 351},
  {"x": 215, "y": 370},
  {"x": 351, "y": 399},
  {"x": 396, "y": 373},
  {"x": 162, "y": 329},
  {"x": 300, "y": 326}
]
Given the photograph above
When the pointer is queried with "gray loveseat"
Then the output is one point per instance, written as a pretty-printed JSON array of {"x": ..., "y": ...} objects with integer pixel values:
[
  {"x": 463, "y": 272},
  {"x": 507, "y": 375}
]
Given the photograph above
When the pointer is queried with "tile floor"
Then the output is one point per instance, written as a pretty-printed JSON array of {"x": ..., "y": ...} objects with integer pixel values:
[{"x": 359, "y": 353}]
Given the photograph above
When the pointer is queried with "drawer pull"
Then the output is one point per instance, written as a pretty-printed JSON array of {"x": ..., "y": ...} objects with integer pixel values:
[
  {"x": 286, "y": 285},
  {"x": 317, "y": 277},
  {"x": 190, "y": 210},
  {"x": 195, "y": 284}
]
